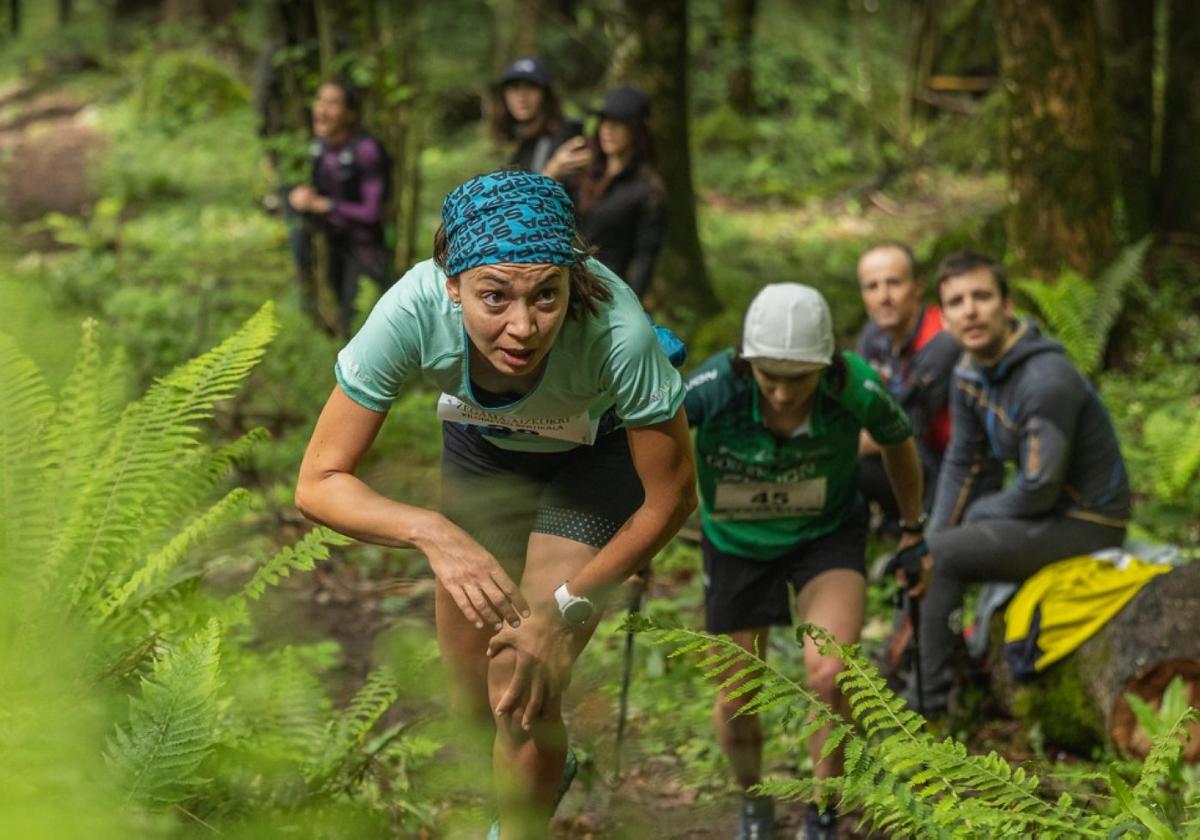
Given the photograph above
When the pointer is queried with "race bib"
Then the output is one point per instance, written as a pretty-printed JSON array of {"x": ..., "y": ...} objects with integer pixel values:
[
  {"x": 769, "y": 500},
  {"x": 580, "y": 428}
]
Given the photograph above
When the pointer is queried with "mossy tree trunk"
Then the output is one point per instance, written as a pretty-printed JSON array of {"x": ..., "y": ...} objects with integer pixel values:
[
  {"x": 1180, "y": 184},
  {"x": 738, "y": 30},
  {"x": 1128, "y": 30},
  {"x": 1059, "y": 154},
  {"x": 1079, "y": 702},
  {"x": 661, "y": 67}
]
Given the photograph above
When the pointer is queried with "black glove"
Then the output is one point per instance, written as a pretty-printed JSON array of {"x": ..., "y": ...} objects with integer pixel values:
[{"x": 908, "y": 560}]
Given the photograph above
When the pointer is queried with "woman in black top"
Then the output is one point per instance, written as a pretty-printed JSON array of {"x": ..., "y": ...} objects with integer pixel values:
[
  {"x": 529, "y": 112},
  {"x": 620, "y": 199}
]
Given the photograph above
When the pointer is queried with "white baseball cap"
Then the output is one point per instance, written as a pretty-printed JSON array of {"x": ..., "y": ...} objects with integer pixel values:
[{"x": 788, "y": 322}]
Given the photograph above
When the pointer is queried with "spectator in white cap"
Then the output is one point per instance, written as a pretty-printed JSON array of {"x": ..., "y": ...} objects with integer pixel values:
[
  {"x": 528, "y": 111},
  {"x": 777, "y": 428}
]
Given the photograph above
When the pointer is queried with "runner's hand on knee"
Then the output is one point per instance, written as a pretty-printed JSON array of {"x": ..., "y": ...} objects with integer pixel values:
[
  {"x": 543, "y": 650},
  {"x": 475, "y": 579}
]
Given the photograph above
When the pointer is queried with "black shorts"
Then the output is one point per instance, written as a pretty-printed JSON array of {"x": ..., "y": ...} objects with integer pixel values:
[
  {"x": 741, "y": 593},
  {"x": 500, "y": 496}
]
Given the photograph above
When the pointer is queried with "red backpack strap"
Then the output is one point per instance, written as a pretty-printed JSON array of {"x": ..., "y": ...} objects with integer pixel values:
[{"x": 931, "y": 325}]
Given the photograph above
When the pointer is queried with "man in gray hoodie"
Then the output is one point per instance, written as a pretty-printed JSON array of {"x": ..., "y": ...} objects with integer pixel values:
[{"x": 1015, "y": 398}]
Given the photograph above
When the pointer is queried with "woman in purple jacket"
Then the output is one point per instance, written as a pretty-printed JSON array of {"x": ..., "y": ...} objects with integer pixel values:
[{"x": 351, "y": 175}]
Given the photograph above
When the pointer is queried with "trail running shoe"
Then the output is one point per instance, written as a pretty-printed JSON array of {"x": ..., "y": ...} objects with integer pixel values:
[
  {"x": 570, "y": 770},
  {"x": 757, "y": 821},
  {"x": 819, "y": 825}
]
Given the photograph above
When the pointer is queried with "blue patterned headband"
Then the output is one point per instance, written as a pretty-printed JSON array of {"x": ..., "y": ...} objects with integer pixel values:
[{"x": 508, "y": 217}]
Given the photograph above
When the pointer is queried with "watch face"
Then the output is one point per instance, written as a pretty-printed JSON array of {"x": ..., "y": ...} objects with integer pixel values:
[{"x": 578, "y": 612}]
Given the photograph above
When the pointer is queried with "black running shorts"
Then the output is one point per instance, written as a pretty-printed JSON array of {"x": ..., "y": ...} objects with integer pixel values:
[
  {"x": 741, "y": 593},
  {"x": 500, "y": 496}
]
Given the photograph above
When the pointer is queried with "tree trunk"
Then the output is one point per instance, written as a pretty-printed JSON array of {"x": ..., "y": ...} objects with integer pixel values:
[
  {"x": 738, "y": 27},
  {"x": 1059, "y": 156},
  {"x": 65, "y": 10},
  {"x": 923, "y": 36},
  {"x": 1128, "y": 30},
  {"x": 1180, "y": 184},
  {"x": 1079, "y": 702},
  {"x": 14, "y": 17},
  {"x": 514, "y": 30},
  {"x": 326, "y": 47},
  {"x": 661, "y": 35}
]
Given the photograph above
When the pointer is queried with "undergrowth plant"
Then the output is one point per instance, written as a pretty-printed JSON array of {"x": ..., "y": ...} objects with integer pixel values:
[
  {"x": 910, "y": 783},
  {"x": 127, "y": 640},
  {"x": 1081, "y": 312}
]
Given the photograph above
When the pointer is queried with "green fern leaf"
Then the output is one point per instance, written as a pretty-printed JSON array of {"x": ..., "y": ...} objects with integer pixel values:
[
  {"x": 1172, "y": 436},
  {"x": 127, "y": 499},
  {"x": 350, "y": 730},
  {"x": 302, "y": 556},
  {"x": 1165, "y": 753},
  {"x": 26, "y": 510},
  {"x": 173, "y": 725},
  {"x": 1080, "y": 313},
  {"x": 161, "y": 562}
]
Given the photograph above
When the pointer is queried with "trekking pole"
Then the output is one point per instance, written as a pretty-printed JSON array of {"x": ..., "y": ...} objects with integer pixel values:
[
  {"x": 914, "y": 615},
  {"x": 910, "y": 561},
  {"x": 641, "y": 579}
]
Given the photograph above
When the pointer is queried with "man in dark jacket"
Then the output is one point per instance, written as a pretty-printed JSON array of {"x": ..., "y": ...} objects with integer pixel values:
[
  {"x": 1016, "y": 398},
  {"x": 904, "y": 342}
]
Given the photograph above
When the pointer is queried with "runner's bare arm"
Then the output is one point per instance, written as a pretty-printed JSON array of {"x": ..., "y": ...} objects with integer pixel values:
[
  {"x": 328, "y": 492},
  {"x": 662, "y": 455},
  {"x": 902, "y": 464}
]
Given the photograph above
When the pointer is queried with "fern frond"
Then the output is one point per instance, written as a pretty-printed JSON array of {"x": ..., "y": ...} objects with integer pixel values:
[
  {"x": 1143, "y": 812},
  {"x": 302, "y": 556},
  {"x": 157, "y": 565},
  {"x": 1164, "y": 755},
  {"x": 1111, "y": 285},
  {"x": 1172, "y": 436},
  {"x": 74, "y": 435},
  {"x": 217, "y": 463},
  {"x": 126, "y": 500},
  {"x": 350, "y": 730},
  {"x": 906, "y": 782},
  {"x": 25, "y": 507},
  {"x": 173, "y": 726},
  {"x": 284, "y": 710},
  {"x": 1081, "y": 313},
  {"x": 1001, "y": 798}
]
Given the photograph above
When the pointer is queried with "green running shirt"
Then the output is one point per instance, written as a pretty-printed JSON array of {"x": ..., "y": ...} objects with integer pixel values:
[
  {"x": 761, "y": 496},
  {"x": 610, "y": 361}
]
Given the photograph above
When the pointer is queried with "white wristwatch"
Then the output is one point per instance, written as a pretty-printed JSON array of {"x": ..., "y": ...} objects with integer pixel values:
[{"x": 575, "y": 610}]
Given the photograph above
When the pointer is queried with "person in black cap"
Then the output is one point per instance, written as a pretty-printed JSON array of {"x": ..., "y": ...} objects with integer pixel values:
[
  {"x": 529, "y": 112},
  {"x": 620, "y": 199}
]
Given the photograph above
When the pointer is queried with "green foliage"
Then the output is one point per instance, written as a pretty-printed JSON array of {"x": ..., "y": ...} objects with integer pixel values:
[
  {"x": 1173, "y": 436},
  {"x": 114, "y": 502},
  {"x": 1081, "y": 313},
  {"x": 906, "y": 781},
  {"x": 173, "y": 724},
  {"x": 185, "y": 88}
]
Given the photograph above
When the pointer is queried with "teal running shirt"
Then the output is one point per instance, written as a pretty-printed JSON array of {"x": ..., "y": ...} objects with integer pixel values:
[
  {"x": 611, "y": 361},
  {"x": 760, "y": 496}
]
